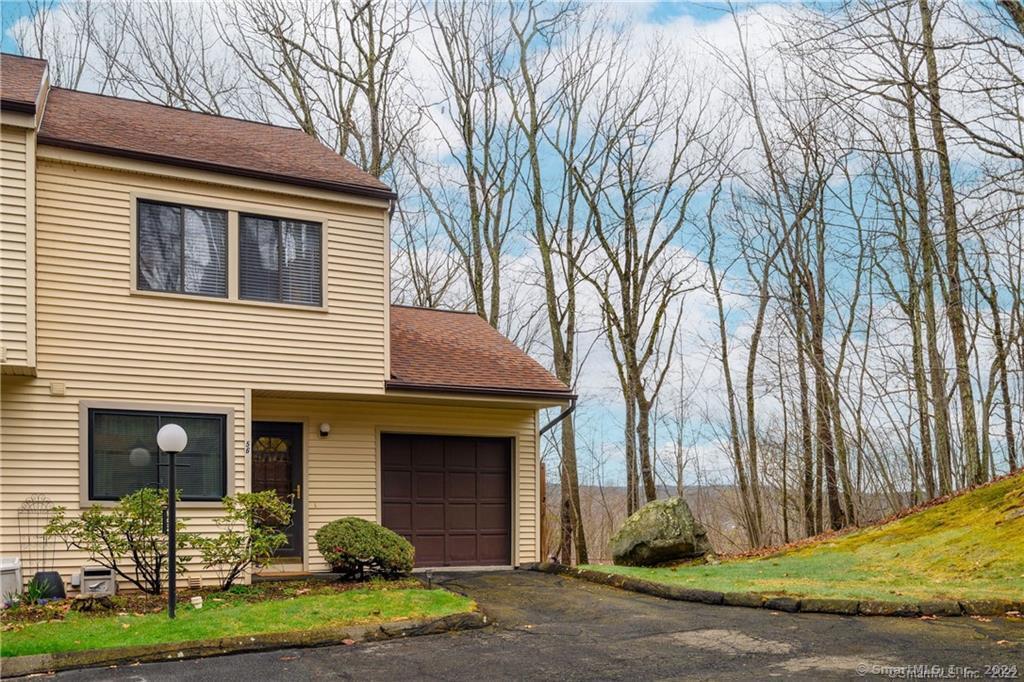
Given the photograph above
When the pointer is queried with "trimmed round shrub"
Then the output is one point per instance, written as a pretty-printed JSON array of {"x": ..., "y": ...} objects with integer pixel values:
[{"x": 356, "y": 547}]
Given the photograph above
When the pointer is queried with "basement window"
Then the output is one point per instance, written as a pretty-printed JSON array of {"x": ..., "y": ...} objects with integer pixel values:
[
  {"x": 182, "y": 249},
  {"x": 280, "y": 260},
  {"x": 124, "y": 457}
]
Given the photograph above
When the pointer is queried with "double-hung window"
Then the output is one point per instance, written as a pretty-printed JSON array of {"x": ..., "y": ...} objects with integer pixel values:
[
  {"x": 280, "y": 260},
  {"x": 124, "y": 457},
  {"x": 182, "y": 249}
]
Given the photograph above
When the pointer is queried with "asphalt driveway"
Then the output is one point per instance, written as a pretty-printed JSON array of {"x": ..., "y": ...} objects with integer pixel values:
[{"x": 553, "y": 627}]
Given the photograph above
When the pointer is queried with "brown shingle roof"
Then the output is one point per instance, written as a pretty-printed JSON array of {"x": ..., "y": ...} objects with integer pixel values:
[
  {"x": 443, "y": 350},
  {"x": 21, "y": 79},
  {"x": 141, "y": 130}
]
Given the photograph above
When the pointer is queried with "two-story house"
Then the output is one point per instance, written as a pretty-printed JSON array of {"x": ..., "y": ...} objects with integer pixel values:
[{"x": 161, "y": 265}]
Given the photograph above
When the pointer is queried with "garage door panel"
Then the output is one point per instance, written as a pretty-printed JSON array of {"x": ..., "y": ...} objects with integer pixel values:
[
  {"x": 491, "y": 455},
  {"x": 461, "y": 485},
  {"x": 429, "y": 452},
  {"x": 493, "y": 549},
  {"x": 460, "y": 453},
  {"x": 451, "y": 496},
  {"x": 492, "y": 486},
  {"x": 492, "y": 517},
  {"x": 397, "y": 516},
  {"x": 396, "y": 484},
  {"x": 428, "y": 485},
  {"x": 396, "y": 455},
  {"x": 462, "y": 549},
  {"x": 461, "y": 516},
  {"x": 430, "y": 549},
  {"x": 428, "y": 517}
]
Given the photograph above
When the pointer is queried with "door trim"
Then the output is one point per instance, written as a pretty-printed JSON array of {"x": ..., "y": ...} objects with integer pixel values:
[{"x": 300, "y": 539}]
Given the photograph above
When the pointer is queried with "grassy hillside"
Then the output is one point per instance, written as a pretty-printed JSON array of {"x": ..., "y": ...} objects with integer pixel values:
[{"x": 969, "y": 547}]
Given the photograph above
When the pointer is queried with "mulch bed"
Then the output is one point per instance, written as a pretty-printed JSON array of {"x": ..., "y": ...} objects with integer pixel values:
[{"x": 140, "y": 603}]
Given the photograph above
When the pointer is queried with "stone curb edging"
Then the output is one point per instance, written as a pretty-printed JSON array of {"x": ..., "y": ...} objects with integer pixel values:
[
  {"x": 847, "y": 607},
  {"x": 44, "y": 663}
]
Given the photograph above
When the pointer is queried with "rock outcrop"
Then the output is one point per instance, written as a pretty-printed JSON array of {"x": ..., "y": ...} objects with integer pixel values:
[{"x": 659, "y": 532}]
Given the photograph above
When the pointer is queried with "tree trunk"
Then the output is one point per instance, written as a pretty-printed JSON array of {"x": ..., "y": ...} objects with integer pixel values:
[
  {"x": 574, "y": 510},
  {"x": 921, "y": 394},
  {"x": 822, "y": 402},
  {"x": 954, "y": 302},
  {"x": 749, "y": 516},
  {"x": 629, "y": 430},
  {"x": 643, "y": 433},
  {"x": 806, "y": 439},
  {"x": 936, "y": 367}
]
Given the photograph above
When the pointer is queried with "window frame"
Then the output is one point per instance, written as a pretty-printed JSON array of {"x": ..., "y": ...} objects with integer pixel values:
[
  {"x": 182, "y": 206},
  {"x": 277, "y": 220},
  {"x": 234, "y": 208},
  {"x": 88, "y": 408}
]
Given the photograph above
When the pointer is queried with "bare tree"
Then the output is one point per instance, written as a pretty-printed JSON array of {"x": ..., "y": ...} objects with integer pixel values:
[
  {"x": 469, "y": 180},
  {"x": 551, "y": 93},
  {"x": 656, "y": 156}
]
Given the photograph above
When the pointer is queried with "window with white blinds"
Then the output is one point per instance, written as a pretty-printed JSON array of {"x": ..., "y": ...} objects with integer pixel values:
[
  {"x": 182, "y": 249},
  {"x": 280, "y": 260},
  {"x": 124, "y": 457}
]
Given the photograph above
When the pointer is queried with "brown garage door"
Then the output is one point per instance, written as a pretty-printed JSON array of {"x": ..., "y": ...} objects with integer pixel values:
[{"x": 450, "y": 496}]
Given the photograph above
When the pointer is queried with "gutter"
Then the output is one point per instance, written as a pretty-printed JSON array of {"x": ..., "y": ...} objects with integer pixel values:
[
  {"x": 394, "y": 385},
  {"x": 17, "y": 105},
  {"x": 562, "y": 415}
]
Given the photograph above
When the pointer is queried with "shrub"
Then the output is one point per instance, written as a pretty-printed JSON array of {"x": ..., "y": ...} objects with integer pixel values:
[
  {"x": 129, "y": 533},
  {"x": 252, "y": 533},
  {"x": 355, "y": 547}
]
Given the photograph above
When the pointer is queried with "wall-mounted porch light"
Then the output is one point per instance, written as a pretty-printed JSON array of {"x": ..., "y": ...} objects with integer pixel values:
[{"x": 325, "y": 430}]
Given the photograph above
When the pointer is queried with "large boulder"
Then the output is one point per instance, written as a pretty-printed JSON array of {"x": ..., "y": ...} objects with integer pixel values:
[{"x": 659, "y": 532}]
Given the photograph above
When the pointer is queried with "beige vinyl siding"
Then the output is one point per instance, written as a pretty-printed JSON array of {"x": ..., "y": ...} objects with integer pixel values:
[
  {"x": 97, "y": 341},
  {"x": 40, "y": 445},
  {"x": 16, "y": 200},
  {"x": 88, "y": 317},
  {"x": 342, "y": 470}
]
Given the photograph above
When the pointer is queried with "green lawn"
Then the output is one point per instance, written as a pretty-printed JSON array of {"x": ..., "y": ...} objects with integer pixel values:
[
  {"x": 226, "y": 619},
  {"x": 971, "y": 547}
]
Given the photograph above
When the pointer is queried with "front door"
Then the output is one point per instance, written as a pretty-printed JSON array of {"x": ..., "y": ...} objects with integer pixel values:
[{"x": 277, "y": 466}]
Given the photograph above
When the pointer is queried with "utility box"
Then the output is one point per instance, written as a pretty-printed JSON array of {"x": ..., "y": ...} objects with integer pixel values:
[
  {"x": 98, "y": 580},
  {"x": 11, "y": 582}
]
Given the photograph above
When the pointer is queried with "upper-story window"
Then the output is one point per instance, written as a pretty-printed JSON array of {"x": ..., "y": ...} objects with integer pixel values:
[
  {"x": 182, "y": 249},
  {"x": 280, "y": 260}
]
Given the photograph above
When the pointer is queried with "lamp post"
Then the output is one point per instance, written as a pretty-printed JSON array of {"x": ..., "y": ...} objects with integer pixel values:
[{"x": 172, "y": 439}]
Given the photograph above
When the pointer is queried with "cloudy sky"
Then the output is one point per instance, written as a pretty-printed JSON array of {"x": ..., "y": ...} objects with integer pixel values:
[{"x": 694, "y": 31}]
